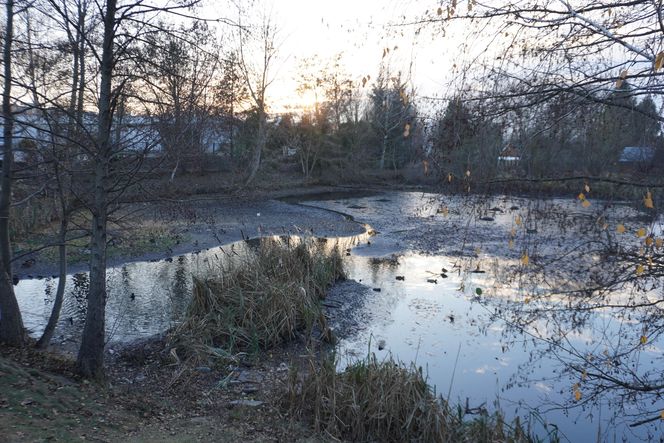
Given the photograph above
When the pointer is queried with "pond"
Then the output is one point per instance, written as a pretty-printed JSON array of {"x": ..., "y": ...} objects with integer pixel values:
[{"x": 483, "y": 293}]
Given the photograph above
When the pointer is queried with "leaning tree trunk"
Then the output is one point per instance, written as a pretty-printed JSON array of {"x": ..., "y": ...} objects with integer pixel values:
[
  {"x": 46, "y": 336},
  {"x": 90, "y": 362},
  {"x": 11, "y": 323}
]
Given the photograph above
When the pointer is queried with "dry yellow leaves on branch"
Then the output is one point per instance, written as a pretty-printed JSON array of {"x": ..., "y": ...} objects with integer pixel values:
[
  {"x": 659, "y": 61},
  {"x": 659, "y": 242},
  {"x": 584, "y": 202},
  {"x": 649, "y": 241},
  {"x": 517, "y": 220},
  {"x": 641, "y": 232},
  {"x": 640, "y": 269},
  {"x": 661, "y": 414},
  {"x": 620, "y": 229},
  {"x": 577, "y": 392},
  {"x": 621, "y": 79},
  {"x": 647, "y": 201},
  {"x": 643, "y": 339},
  {"x": 525, "y": 260}
]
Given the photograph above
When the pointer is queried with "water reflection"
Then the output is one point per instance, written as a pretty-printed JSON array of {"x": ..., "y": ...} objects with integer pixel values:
[{"x": 509, "y": 334}]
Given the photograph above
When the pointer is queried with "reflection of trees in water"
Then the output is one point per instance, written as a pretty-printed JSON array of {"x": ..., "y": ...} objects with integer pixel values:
[
  {"x": 79, "y": 295},
  {"x": 380, "y": 265},
  {"x": 181, "y": 286},
  {"x": 587, "y": 303},
  {"x": 589, "y": 296}
]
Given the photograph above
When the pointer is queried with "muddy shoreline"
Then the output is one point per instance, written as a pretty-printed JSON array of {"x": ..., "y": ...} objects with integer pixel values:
[{"x": 196, "y": 224}]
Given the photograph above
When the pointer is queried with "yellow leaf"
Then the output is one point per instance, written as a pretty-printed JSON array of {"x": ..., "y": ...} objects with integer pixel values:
[
  {"x": 659, "y": 61},
  {"x": 661, "y": 414},
  {"x": 643, "y": 339},
  {"x": 517, "y": 220},
  {"x": 621, "y": 79},
  {"x": 525, "y": 260},
  {"x": 621, "y": 229},
  {"x": 581, "y": 196},
  {"x": 647, "y": 201},
  {"x": 440, "y": 11},
  {"x": 510, "y": 244},
  {"x": 585, "y": 203},
  {"x": 641, "y": 232},
  {"x": 584, "y": 376},
  {"x": 478, "y": 250},
  {"x": 513, "y": 232},
  {"x": 640, "y": 269},
  {"x": 577, "y": 395},
  {"x": 649, "y": 241},
  {"x": 659, "y": 242},
  {"x": 526, "y": 300},
  {"x": 586, "y": 188}
]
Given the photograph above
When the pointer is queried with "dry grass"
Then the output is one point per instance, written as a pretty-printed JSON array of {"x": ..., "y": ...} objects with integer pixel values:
[
  {"x": 260, "y": 299},
  {"x": 387, "y": 401}
]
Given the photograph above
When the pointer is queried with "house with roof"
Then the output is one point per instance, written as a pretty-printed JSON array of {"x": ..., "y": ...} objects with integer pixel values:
[{"x": 637, "y": 158}]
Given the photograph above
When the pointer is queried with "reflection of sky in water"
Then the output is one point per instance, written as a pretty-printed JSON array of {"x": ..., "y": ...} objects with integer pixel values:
[
  {"x": 431, "y": 323},
  {"x": 454, "y": 334}
]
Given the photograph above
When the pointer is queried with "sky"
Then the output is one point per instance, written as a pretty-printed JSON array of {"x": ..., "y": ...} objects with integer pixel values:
[{"x": 360, "y": 30}]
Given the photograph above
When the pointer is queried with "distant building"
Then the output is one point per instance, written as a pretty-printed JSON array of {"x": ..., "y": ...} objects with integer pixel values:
[
  {"x": 637, "y": 158},
  {"x": 509, "y": 157}
]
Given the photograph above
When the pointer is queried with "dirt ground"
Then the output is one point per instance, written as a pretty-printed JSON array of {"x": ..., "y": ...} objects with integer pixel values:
[{"x": 148, "y": 398}]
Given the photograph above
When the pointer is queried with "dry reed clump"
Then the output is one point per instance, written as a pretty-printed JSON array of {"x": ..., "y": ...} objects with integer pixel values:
[
  {"x": 260, "y": 299},
  {"x": 386, "y": 401}
]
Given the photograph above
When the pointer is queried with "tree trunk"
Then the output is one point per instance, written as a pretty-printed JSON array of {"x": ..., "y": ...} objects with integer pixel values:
[
  {"x": 261, "y": 139},
  {"x": 11, "y": 323},
  {"x": 45, "y": 339},
  {"x": 90, "y": 360}
]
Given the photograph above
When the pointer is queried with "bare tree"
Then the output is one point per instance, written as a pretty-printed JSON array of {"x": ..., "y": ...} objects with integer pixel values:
[
  {"x": 256, "y": 60},
  {"x": 11, "y": 323}
]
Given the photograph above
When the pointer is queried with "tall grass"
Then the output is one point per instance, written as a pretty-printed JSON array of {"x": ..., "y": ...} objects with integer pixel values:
[
  {"x": 387, "y": 401},
  {"x": 260, "y": 299}
]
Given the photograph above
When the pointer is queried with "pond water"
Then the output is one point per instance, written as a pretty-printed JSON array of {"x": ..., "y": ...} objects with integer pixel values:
[{"x": 446, "y": 286}]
